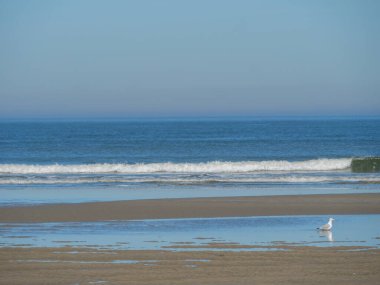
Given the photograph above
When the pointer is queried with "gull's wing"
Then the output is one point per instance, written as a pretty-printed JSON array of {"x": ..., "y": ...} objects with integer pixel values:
[{"x": 325, "y": 227}]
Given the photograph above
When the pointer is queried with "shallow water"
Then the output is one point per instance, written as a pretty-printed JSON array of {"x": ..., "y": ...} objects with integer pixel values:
[
  {"x": 117, "y": 261},
  {"x": 198, "y": 234},
  {"x": 36, "y": 195}
]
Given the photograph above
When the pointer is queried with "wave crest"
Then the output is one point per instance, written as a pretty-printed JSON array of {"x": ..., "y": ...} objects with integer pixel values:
[{"x": 322, "y": 164}]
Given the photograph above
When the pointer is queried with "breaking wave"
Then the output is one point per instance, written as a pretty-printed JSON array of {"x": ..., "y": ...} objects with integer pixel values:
[
  {"x": 322, "y": 164},
  {"x": 193, "y": 180}
]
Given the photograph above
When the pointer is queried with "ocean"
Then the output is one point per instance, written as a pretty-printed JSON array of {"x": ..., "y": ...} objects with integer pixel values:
[{"x": 67, "y": 161}]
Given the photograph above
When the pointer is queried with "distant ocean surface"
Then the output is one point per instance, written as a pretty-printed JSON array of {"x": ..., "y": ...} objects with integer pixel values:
[{"x": 176, "y": 155}]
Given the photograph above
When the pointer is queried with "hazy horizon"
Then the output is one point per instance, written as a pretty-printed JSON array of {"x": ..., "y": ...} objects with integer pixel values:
[{"x": 174, "y": 59}]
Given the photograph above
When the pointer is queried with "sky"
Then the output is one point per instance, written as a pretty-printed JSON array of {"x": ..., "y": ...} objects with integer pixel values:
[{"x": 122, "y": 59}]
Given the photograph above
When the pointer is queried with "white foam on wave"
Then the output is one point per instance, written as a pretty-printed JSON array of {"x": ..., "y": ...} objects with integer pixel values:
[
  {"x": 322, "y": 164},
  {"x": 290, "y": 179}
]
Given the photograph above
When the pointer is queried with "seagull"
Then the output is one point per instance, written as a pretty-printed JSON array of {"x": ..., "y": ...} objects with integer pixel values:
[{"x": 328, "y": 226}]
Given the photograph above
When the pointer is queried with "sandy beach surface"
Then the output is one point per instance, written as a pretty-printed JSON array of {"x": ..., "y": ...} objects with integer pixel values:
[
  {"x": 299, "y": 265},
  {"x": 196, "y": 208},
  {"x": 290, "y": 264}
]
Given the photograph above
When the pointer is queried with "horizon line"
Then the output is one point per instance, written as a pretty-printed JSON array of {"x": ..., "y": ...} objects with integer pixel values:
[{"x": 187, "y": 118}]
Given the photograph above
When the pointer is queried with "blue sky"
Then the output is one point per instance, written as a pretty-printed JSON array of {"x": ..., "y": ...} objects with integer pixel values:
[{"x": 95, "y": 59}]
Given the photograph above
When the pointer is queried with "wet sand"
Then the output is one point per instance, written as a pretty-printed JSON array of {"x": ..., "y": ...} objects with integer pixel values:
[
  {"x": 289, "y": 265},
  {"x": 196, "y": 208},
  {"x": 299, "y": 265}
]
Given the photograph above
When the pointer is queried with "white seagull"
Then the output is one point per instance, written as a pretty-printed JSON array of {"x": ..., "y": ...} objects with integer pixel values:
[{"x": 328, "y": 226}]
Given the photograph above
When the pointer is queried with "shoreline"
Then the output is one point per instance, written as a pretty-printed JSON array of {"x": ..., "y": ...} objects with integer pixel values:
[{"x": 321, "y": 204}]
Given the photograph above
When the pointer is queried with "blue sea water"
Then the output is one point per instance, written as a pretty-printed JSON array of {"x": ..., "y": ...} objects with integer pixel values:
[{"x": 62, "y": 161}]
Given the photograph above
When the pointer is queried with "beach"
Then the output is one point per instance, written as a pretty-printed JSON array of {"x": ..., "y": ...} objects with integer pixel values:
[
  {"x": 301, "y": 265},
  {"x": 195, "y": 208},
  {"x": 210, "y": 263}
]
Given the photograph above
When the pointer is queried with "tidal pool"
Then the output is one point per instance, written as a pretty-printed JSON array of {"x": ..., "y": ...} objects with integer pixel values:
[{"x": 240, "y": 233}]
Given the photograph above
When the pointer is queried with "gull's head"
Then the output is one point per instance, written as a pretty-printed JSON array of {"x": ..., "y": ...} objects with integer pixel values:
[{"x": 331, "y": 219}]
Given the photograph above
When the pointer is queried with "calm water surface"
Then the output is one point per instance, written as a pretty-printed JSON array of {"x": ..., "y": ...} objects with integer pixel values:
[{"x": 174, "y": 234}]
